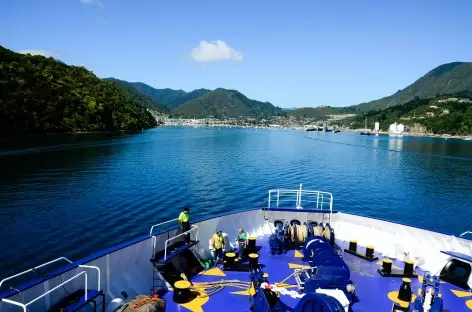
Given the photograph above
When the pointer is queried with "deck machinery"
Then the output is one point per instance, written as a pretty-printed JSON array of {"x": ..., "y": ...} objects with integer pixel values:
[{"x": 326, "y": 286}]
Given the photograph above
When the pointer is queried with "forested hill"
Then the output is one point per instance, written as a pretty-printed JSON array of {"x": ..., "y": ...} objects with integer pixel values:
[
  {"x": 137, "y": 97},
  {"x": 223, "y": 103},
  {"x": 169, "y": 97},
  {"x": 41, "y": 95},
  {"x": 445, "y": 79}
]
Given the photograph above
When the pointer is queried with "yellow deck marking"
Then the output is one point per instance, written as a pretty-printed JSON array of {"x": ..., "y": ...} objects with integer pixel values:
[
  {"x": 461, "y": 294},
  {"x": 468, "y": 304},
  {"x": 213, "y": 272},
  {"x": 298, "y": 254},
  {"x": 393, "y": 296},
  {"x": 250, "y": 291},
  {"x": 196, "y": 304},
  {"x": 298, "y": 266},
  {"x": 393, "y": 266},
  {"x": 284, "y": 285}
]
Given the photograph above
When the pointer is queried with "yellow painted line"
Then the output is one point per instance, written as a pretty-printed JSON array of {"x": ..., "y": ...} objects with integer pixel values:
[
  {"x": 461, "y": 294},
  {"x": 213, "y": 272},
  {"x": 393, "y": 295},
  {"x": 284, "y": 285},
  {"x": 250, "y": 291},
  {"x": 196, "y": 304},
  {"x": 298, "y": 266},
  {"x": 468, "y": 304},
  {"x": 298, "y": 254}
]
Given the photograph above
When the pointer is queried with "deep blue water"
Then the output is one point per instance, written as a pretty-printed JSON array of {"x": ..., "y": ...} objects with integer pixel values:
[{"x": 72, "y": 195}]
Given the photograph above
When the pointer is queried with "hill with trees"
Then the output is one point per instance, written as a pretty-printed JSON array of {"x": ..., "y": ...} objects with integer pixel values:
[
  {"x": 169, "y": 97},
  {"x": 451, "y": 78},
  {"x": 449, "y": 113},
  {"x": 41, "y": 95},
  {"x": 315, "y": 112},
  {"x": 137, "y": 97},
  {"x": 223, "y": 103}
]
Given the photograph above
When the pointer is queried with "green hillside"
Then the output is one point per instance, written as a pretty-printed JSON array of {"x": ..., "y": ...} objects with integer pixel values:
[
  {"x": 168, "y": 97},
  {"x": 222, "y": 103},
  {"x": 445, "y": 114},
  {"x": 137, "y": 97},
  {"x": 314, "y": 112},
  {"x": 448, "y": 78},
  {"x": 40, "y": 95}
]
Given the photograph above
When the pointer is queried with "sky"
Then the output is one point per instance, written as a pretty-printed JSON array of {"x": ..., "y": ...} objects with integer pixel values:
[{"x": 290, "y": 53}]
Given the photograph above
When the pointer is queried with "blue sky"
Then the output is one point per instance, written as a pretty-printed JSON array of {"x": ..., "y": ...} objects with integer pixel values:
[{"x": 291, "y": 53}]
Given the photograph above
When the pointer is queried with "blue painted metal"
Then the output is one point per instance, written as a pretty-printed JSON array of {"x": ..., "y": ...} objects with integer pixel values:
[
  {"x": 312, "y": 301},
  {"x": 458, "y": 255},
  {"x": 91, "y": 295},
  {"x": 429, "y": 291},
  {"x": 331, "y": 272}
]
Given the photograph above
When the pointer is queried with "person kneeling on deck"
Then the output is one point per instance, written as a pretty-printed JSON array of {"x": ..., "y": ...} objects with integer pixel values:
[
  {"x": 217, "y": 243},
  {"x": 242, "y": 243},
  {"x": 184, "y": 220}
]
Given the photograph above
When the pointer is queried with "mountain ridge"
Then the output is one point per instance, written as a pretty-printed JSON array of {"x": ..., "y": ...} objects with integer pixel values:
[{"x": 454, "y": 77}]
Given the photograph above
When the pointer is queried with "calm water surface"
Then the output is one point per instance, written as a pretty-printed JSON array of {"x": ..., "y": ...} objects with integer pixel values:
[{"x": 76, "y": 194}]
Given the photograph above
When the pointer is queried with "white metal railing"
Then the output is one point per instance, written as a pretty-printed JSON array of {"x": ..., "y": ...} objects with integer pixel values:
[
  {"x": 153, "y": 237},
  {"x": 300, "y": 199},
  {"x": 463, "y": 234},
  {"x": 33, "y": 269},
  {"x": 194, "y": 228},
  {"x": 25, "y": 305},
  {"x": 160, "y": 224}
]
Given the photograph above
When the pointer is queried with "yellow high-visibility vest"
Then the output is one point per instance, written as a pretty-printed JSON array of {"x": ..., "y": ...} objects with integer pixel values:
[
  {"x": 217, "y": 241},
  {"x": 184, "y": 217}
]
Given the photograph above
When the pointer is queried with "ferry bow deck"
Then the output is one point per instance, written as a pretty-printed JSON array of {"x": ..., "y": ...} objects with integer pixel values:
[
  {"x": 114, "y": 276},
  {"x": 372, "y": 290}
]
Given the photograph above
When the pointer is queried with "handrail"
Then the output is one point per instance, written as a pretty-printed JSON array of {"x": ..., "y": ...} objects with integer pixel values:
[
  {"x": 194, "y": 227},
  {"x": 465, "y": 233},
  {"x": 159, "y": 224},
  {"x": 95, "y": 268},
  {"x": 323, "y": 200},
  {"x": 25, "y": 305},
  {"x": 33, "y": 269}
]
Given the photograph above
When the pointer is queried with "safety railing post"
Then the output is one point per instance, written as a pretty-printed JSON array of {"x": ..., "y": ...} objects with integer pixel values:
[{"x": 278, "y": 198}]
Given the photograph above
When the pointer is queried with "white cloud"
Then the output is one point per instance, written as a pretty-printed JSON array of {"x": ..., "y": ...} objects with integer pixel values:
[
  {"x": 101, "y": 21},
  {"x": 215, "y": 51},
  {"x": 38, "y": 52},
  {"x": 94, "y": 2}
]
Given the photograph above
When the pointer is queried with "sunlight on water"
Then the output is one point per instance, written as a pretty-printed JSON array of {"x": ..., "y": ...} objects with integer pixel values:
[{"x": 73, "y": 195}]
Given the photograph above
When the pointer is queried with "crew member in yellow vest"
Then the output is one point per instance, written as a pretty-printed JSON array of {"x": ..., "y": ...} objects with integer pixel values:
[
  {"x": 184, "y": 220},
  {"x": 218, "y": 243}
]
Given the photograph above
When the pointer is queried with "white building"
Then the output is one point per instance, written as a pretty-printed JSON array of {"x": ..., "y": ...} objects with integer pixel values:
[
  {"x": 377, "y": 126},
  {"x": 397, "y": 128}
]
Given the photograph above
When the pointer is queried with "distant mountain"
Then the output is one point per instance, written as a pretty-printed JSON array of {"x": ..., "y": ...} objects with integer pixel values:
[
  {"x": 314, "y": 112},
  {"x": 445, "y": 79},
  {"x": 40, "y": 95},
  {"x": 137, "y": 97},
  {"x": 226, "y": 103},
  {"x": 169, "y": 97}
]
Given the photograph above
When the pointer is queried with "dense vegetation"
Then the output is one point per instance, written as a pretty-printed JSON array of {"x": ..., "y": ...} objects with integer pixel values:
[
  {"x": 40, "y": 95},
  {"x": 438, "y": 115},
  {"x": 448, "y": 78},
  {"x": 169, "y": 97},
  {"x": 315, "y": 112},
  {"x": 137, "y": 97},
  {"x": 222, "y": 103}
]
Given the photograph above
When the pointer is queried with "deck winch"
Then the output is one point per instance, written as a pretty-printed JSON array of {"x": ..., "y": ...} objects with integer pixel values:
[
  {"x": 329, "y": 271},
  {"x": 267, "y": 298},
  {"x": 294, "y": 235}
]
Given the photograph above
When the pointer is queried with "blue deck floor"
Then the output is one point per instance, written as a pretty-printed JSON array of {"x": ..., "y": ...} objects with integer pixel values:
[{"x": 371, "y": 289}]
